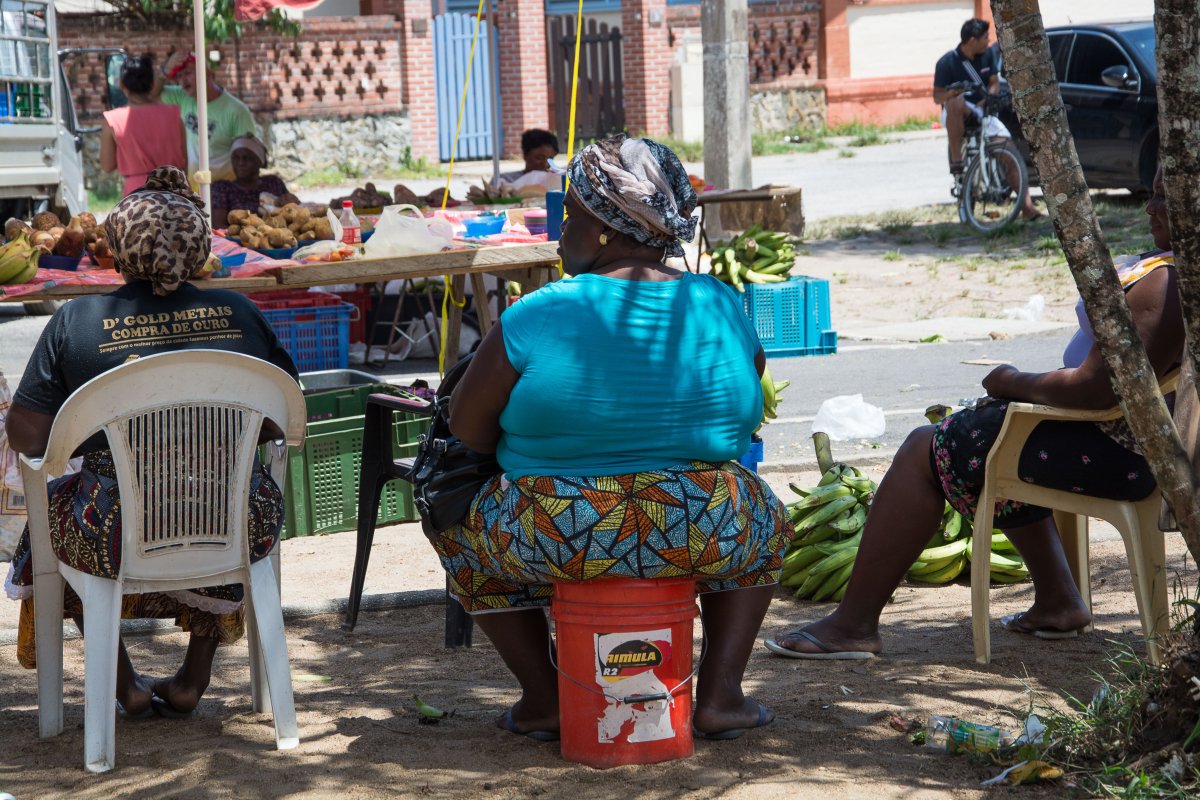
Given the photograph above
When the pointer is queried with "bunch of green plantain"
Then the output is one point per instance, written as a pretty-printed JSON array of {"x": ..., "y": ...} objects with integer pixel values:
[
  {"x": 18, "y": 260},
  {"x": 754, "y": 256},
  {"x": 828, "y": 520},
  {"x": 947, "y": 554},
  {"x": 771, "y": 389}
]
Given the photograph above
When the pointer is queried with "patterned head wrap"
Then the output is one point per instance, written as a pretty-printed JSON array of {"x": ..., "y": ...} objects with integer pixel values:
[
  {"x": 160, "y": 233},
  {"x": 637, "y": 187}
]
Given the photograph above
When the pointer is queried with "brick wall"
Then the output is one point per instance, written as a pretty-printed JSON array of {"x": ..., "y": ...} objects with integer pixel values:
[
  {"x": 419, "y": 92},
  {"x": 524, "y": 79},
  {"x": 337, "y": 66},
  {"x": 647, "y": 55},
  {"x": 783, "y": 40}
]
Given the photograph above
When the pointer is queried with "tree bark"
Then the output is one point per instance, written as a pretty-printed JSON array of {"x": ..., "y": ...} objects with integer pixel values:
[{"x": 1040, "y": 108}]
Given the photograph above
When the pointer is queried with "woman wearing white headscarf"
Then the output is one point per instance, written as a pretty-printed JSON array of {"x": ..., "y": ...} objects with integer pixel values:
[{"x": 248, "y": 157}]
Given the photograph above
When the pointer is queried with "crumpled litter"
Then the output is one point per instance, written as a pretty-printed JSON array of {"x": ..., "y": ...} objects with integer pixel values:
[{"x": 1025, "y": 772}]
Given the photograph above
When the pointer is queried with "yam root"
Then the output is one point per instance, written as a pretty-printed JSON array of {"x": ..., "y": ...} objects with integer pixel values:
[
  {"x": 15, "y": 227},
  {"x": 45, "y": 221},
  {"x": 72, "y": 241}
]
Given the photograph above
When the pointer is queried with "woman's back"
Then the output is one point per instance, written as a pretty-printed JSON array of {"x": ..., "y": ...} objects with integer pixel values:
[
  {"x": 620, "y": 376},
  {"x": 147, "y": 136}
]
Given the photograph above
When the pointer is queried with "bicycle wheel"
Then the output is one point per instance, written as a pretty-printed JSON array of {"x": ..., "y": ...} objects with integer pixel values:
[{"x": 993, "y": 187}]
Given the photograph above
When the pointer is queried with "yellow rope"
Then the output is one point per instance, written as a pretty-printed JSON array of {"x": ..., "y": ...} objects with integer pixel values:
[
  {"x": 448, "y": 296},
  {"x": 574, "y": 94}
]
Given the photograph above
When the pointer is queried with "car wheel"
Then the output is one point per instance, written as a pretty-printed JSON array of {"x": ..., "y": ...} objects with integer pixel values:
[{"x": 44, "y": 308}]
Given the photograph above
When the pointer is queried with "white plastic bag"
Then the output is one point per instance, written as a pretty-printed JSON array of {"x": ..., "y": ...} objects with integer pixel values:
[
  {"x": 1030, "y": 312},
  {"x": 405, "y": 231},
  {"x": 848, "y": 416}
]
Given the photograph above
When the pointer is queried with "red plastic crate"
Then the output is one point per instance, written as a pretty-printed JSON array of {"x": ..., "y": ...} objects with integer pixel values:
[
  {"x": 313, "y": 327},
  {"x": 360, "y": 299}
]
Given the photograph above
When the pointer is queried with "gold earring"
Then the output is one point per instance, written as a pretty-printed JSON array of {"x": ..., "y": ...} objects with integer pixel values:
[{"x": 603, "y": 239}]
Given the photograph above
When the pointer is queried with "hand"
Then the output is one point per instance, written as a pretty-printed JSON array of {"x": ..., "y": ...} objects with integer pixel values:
[{"x": 996, "y": 384}]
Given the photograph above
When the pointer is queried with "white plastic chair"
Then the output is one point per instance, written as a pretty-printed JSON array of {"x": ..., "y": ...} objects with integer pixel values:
[
  {"x": 183, "y": 429},
  {"x": 1137, "y": 522}
]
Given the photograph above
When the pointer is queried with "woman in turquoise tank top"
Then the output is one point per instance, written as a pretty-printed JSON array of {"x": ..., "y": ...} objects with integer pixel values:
[{"x": 617, "y": 403}]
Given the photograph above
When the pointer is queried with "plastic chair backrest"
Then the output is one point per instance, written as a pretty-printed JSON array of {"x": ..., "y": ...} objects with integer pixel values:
[{"x": 183, "y": 429}]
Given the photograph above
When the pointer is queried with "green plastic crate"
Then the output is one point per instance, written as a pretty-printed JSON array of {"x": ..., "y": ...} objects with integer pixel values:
[{"x": 322, "y": 481}]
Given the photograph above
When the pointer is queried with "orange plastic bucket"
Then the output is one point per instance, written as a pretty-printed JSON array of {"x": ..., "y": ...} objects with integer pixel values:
[{"x": 624, "y": 669}]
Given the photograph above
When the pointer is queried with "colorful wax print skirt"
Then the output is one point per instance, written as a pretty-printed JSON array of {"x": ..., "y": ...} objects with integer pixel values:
[{"x": 718, "y": 523}]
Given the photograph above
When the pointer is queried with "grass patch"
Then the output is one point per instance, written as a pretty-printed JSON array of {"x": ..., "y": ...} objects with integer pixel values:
[
  {"x": 846, "y": 154},
  {"x": 939, "y": 235},
  {"x": 346, "y": 172},
  {"x": 687, "y": 151},
  {"x": 849, "y": 231},
  {"x": 892, "y": 255},
  {"x": 867, "y": 139},
  {"x": 894, "y": 222},
  {"x": 102, "y": 199}
]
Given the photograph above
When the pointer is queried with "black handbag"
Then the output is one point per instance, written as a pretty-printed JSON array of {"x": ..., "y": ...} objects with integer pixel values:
[{"x": 446, "y": 474}]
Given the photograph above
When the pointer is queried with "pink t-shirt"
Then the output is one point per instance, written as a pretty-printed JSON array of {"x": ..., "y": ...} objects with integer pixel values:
[{"x": 147, "y": 137}]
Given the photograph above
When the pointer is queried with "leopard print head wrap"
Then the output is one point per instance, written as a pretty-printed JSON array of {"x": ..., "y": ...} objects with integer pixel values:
[{"x": 160, "y": 233}]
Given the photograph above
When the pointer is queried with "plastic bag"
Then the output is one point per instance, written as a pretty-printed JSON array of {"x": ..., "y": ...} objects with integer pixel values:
[
  {"x": 849, "y": 417},
  {"x": 1030, "y": 312},
  {"x": 399, "y": 235},
  {"x": 12, "y": 495}
]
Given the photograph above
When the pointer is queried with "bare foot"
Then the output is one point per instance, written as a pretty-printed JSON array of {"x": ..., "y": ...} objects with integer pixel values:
[
  {"x": 750, "y": 714},
  {"x": 829, "y": 635},
  {"x": 181, "y": 697},
  {"x": 135, "y": 695}
]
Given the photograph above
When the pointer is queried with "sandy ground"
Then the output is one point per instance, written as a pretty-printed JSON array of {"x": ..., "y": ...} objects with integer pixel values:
[
  {"x": 359, "y": 732},
  {"x": 360, "y": 736}
]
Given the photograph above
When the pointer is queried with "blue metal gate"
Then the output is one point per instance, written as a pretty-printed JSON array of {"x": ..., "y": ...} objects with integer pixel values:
[{"x": 452, "y": 35}]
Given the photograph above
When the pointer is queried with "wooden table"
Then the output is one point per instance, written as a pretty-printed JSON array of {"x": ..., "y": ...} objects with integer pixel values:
[{"x": 531, "y": 265}]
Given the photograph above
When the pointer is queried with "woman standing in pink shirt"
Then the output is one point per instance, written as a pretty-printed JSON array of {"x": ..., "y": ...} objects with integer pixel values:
[{"x": 143, "y": 135}]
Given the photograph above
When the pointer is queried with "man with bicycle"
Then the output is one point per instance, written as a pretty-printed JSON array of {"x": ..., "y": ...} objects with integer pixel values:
[{"x": 962, "y": 79}]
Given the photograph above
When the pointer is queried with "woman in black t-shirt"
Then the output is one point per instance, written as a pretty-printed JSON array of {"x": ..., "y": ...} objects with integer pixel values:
[{"x": 160, "y": 237}]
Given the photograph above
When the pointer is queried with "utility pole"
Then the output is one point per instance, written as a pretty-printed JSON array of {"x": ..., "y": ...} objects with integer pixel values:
[{"x": 727, "y": 132}]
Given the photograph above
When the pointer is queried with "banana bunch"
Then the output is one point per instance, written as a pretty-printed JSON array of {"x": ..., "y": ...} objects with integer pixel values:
[
  {"x": 1007, "y": 565},
  {"x": 947, "y": 554},
  {"x": 770, "y": 389},
  {"x": 754, "y": 256},
  {"x": 18, "y": 261},
  {"x": 828, "y": 520}
]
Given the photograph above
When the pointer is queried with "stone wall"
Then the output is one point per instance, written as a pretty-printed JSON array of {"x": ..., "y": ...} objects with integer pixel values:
[
  {"x": 785, "y": 110},
  {"x": 366, "y": 145}
]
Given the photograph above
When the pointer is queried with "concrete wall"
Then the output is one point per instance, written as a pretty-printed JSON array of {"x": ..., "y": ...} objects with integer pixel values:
[{"x": 903, "y": 39}]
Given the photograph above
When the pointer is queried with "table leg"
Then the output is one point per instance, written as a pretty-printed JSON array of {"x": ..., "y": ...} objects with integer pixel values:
[
  {"x": 483, "y": 305},
  {"x": 458, "y": 283}
]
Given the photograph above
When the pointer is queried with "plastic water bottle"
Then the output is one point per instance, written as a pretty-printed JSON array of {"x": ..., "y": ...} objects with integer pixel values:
[{"x": 351, "y": 229}]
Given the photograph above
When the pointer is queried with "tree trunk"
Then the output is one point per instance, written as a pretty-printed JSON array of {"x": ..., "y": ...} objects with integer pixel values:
[{"x": 1039, "y": 106}]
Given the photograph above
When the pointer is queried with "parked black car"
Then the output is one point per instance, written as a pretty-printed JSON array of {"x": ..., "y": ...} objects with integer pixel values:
[{"x": 1107, "y": 78}]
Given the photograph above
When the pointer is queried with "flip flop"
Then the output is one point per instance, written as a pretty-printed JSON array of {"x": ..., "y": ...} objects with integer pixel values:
[
  {"x": 160, "y": 704},
  {"x": 765, "y": 718},
  {"x": 826, "y": 653},
  {"x": 1015, "y": 624},
  {"x": 507, "y": 723}
]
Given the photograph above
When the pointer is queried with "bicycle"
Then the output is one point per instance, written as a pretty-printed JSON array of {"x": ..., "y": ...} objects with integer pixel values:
[{"x": 992, "y": 186}]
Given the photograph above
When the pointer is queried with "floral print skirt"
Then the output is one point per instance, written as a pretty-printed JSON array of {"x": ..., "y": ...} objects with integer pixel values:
[
  {"x": 718, "y": 523},
  {"x": 1070, "y": 456}
]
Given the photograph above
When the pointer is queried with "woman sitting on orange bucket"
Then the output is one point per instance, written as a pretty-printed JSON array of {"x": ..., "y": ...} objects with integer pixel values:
[{"x": 617, "y": 402}]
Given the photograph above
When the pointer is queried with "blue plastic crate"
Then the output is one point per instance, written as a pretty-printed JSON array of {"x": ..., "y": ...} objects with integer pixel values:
[
  {"x": 791, "y": 318},
  {"x": 317, "y": 337},
  {"x": 753, "y": 456}
]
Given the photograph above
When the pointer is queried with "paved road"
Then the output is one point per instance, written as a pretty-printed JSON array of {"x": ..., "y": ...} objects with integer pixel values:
[{"x": 908, "y": 171}]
